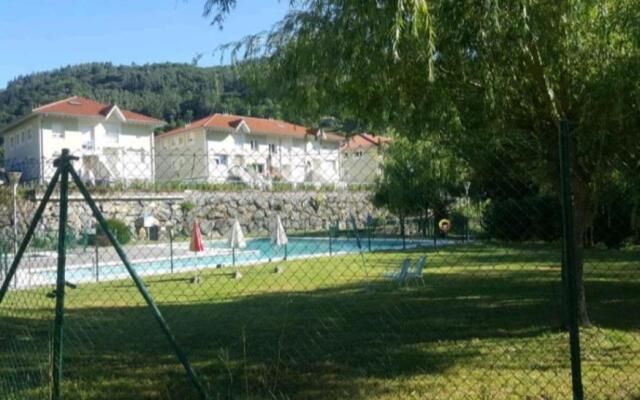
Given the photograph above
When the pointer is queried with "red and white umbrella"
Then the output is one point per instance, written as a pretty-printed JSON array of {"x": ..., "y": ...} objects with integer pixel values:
[{"x": 196, "y": 244}]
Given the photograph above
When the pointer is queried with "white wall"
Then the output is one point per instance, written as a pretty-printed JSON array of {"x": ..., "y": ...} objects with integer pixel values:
[
  {"x": 22, "y": 152},
  {"x": 324, "y": 158},
  {"x": 294, "y": 158},
  {"x": 182, "y": 157},
  {"x": 128, "y": 154},
  {"x": 221, "y": 145},
  {"x": 361, "y": 165}
]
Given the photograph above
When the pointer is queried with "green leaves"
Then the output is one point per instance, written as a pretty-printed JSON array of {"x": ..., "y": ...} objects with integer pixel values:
[
  {"x": 176, "y": 93},
  {"x": 418, "y": 176}
]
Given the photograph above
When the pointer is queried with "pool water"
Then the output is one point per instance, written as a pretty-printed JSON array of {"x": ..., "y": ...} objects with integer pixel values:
[{"x": 219, "y": 255}]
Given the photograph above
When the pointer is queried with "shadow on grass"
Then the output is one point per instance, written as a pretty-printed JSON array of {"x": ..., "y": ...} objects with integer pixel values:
[{"x": 354, "y": 340}]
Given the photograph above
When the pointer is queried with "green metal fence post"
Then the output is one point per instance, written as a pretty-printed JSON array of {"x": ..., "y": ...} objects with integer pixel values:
[
  {"x": 195, "y": 381},
  {"x": 466, "y": 229},
  {"x": 331, "y": 240},
  {"x": 369, "y": 231},
  {"x": 3, "y": 266},
  {"x": 171, "y": 247},
  {"x": 62, "y": 164},
  {"x": 27, "y": 237},
  {"x": 97, "y": 257},
  {"x": 569, "y": 253},
  {"x": 434, "y": 226},
  {"x": 403, "y": 227}
]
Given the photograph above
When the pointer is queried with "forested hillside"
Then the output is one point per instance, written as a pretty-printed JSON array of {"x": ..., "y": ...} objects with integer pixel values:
[{"x": 175, "y": 93}]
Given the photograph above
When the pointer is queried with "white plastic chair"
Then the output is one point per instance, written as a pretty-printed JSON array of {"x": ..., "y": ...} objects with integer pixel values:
[
  {"x": 417, "y": 274},
  {"x": 401, "y": 275}
]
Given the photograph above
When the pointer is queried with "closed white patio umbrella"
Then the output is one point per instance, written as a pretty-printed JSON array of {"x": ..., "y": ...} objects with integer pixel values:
[
  {"x": 236, "y": 239},
  {"x": 279, "y": 235}
]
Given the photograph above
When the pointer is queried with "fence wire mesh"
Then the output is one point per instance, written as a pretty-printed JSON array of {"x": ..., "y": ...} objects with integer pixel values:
[{"x": 351, "y": 272}]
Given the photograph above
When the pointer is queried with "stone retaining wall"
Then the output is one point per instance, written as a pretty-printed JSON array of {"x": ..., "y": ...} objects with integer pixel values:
[{"x": 300, "y": 211}]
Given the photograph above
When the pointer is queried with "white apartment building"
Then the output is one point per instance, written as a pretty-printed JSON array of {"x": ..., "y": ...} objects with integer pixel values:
[
  {"x": 362, "y": 157},
  {"x": 227, "y": 148},
  {"x": 113, "y": 144}
]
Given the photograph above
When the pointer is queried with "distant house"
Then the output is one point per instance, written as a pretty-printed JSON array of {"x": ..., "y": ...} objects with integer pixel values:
[
  {"x": 362, "y": 158},
  {"x": 113, "y": 144},
  {"x": 228, "y": 148}
]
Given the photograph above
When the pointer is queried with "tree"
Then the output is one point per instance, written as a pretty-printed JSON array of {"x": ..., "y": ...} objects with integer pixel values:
[
  {"x": 176, "y": 93},
  {"x": 482, "y": 75},
  {"x": 418, "y": 177}
]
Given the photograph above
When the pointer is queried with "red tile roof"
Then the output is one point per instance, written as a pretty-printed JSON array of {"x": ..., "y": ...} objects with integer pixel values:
[
  {"x": 229, "y": 122},
  {"x": 363, "y": 141},
  {"x": 82, "y": 107}
]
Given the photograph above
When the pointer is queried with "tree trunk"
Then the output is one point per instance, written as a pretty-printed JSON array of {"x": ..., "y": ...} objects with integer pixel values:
[{"x": 582, "y": 220}]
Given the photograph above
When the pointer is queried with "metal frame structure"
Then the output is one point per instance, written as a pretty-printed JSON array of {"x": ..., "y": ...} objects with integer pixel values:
[
  {"x": 569, "y": 259},
  {"x": 64, "y": 172}
]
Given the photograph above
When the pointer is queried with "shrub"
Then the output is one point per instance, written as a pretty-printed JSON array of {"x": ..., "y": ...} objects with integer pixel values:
[
  {"x": 458, "y": 223},
  {"x": 119, "y": 228},
  {"x": 187, "y": 206},
  {"x": 535, "y": 217},
  {"x": 43, "y": 243},
  {"x": 50, "y": 241},
  {"x": 282, "y": 187},
  {"x": 361, "y": 187},
  {"x": 612, "y": 224}
]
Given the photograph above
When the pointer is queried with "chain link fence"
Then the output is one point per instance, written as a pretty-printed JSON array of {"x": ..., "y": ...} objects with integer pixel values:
[{"x": 324, "y": 274}]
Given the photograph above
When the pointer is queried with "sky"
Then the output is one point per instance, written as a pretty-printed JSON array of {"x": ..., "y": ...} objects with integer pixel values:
[{"x": 39, "y": 35}]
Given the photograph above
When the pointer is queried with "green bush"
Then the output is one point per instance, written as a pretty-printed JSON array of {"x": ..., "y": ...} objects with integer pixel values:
[
  {"x": 119, "y": 228},
  {"x": 612, "y": 224},
  {"x": 361, "y": 187},
  {"x": 187, "y": 206},
  {"x": 50, "y": 243},
  {"x": 536, "y": 217},
  {"x": 282, "y": 187},
  {"x": 458, "y": 223}
]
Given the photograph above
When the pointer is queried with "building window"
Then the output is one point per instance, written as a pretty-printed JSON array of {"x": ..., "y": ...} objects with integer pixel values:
[
  {"x": 259, "y": 168},
  {"x": 181, "y": 141},
  {"x": 191, "y": 137},
  {"x": 29, "y": 134},
  {"x": 11, "y": 141},
  {"x": 23, "y": 137},
  {"x": 273, "y": 148},
  {"x": 221, "y": 159},
  {"x": 57, "y": 130},
  {"x": 359, "y": 154},
  {"x": 254, "y": 145}
]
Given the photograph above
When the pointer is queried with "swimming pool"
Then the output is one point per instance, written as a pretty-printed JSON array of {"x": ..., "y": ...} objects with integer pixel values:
[{"x": 218, "y": 255}]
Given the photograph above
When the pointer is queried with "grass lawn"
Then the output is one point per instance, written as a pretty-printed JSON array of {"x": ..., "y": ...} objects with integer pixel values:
[{"x": 484, "y": 325}]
